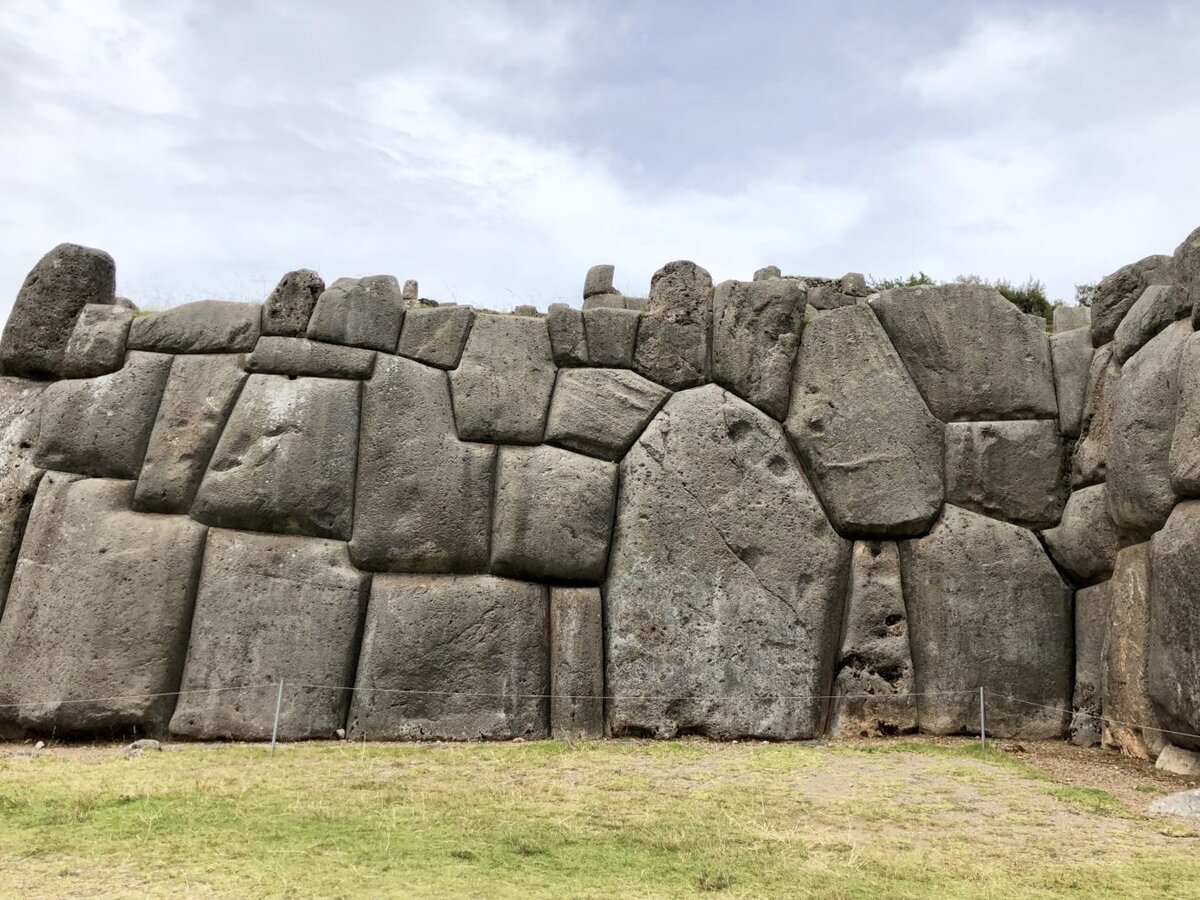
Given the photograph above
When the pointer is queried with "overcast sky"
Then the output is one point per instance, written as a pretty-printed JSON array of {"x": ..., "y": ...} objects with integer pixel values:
[{"x": 494, "y": 151}]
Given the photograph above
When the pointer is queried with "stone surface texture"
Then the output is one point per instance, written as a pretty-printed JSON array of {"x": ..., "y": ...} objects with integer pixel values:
[
  {"x": 359, "y": 312},
  {"x": 673, "y": 340},
  {"x": 1173, "y": 655},
  {"x": 568, "y": 338},
  {"x": 1158, "y": 307},
  {"x": 1092, "y": 613},
  {"x": 1084, "y": 543},
  {"x": 1071, "y": 352},
  {"x": 576, "y": 663},
  {"x": 1184, "y": 456},
  {"x": 756, "y": 333},
  {"x": 1116, "y": 293},
  {"x": 611, "y": 336},
  {"x": 289, "y": 307},
  {"x": 300, "y": 356},
  {"x": 97, "y": 342},
  {"x": 436, "y": 335},
  {"x": 20, "y": 408},
  {"x": 601, "y": 412},
  {"x": 1089, "y": 463},
  {"x": 206, "y": 326}
]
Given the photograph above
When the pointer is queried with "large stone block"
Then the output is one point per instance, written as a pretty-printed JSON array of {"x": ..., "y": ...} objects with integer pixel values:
[
  {"x": 285, "y": 462},
  {"x": 300, "y": 356},
  {"x": 359, "y": 312},
  {"x": 553, "y": 514},
  {"x": 436, "y": 335},
  {"x": 1116, "y": 293},
  {"x": 1089, "y": 464},
  {"x": 20, "y": 413},
  {"x": 867, "y": 440},
  {"x": 423, "y": 500},
  {"x": 101, "y": 426},
  {"x": 62, "y": 283},
  {"x": 568, "y": 337},
  {"x": 973, "y": 354},
  {"x": 100, "y": 607},
  {"x": 287, "y": 311},
  {"x": 199, "y": 396},
  {"x": 599, "y": 280},
  {"x": 1140, "y": 495},
  {"x": 601, "y": 412},
  {"x": 1009, "y": 470},
  {"x": 611, "y": 336},
  {"x": 1173, "y": 654},
  {"x": 1157, "y": 307},
  {"x": 1072, "y": 354},
  {"x": 206, "y": 326},
  {"x": 756, "y": 334},
  {"x": 1092, "y": 612},
  {"x": 1184, "y": 456},
  {"x": 503, "y": 382},
  {"x": 97, "y": 342},
  {"x": 986, "y": 607},
  {"x": 576, "y": 663},
  {"x": 724, "y": 595},
  {"x": 1130, "y": 721},
  {"x": 1185, "y": 265},
  {"x": 271, "y": 608},
  {"x": 453, "y": 658},
  {"x": 874, "y": 682},
  {"x": 672, "y": 341},
  {"x": 1084, "y": 544},
  {"x": 1072, "y": 318}
]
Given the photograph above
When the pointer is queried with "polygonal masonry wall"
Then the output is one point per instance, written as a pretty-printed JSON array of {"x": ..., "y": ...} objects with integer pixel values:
[{"x": 777, "y": 508}]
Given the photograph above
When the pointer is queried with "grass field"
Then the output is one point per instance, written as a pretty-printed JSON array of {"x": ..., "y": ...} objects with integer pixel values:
[{"x": 885, "y": 819}]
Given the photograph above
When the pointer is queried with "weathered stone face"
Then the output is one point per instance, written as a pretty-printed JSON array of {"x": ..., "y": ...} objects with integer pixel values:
[
  {"x": 576, "y": 663},
  {"x": 1072, "y": 318},
  {"x": 973, "y": 354},
  {"x": 62, "y": 283},
  {"x": 1093, "y": 610},
  {"x": 756, "y": 333},
  {"x": 1117, "y": 293},
  {"x": 865, "y": 436},
  {"x": 1173, "y": 653},
  {"x": 611, "y": 336},
  {"x": 285, "y": 462},
  {"x": 452, "y": 658},
  {"x": 1089, "y": 465},
  {"x": 568, "y": 339},
  {"x": 1008, "y": 470},
  {"x": 1071, "y": 353},
  {"x": 1157, "y": 307},
  {"x": 874, "y": 681},
  {"x": 20, "y": 408},
  {"x": 1184, "y": 457},
  {"x": 601, "y": 412},
  {"x": 291, "y": 304},
  {"x": 502, "y": 385},
  {"x": 725, "y": 586},
  {"x": 100, "y": 606},
  {"x": 986, "y": 606},
  {"x": 1085, "y": 543},
  {"x": 97, "y": 342},
  {"x": 436, "y": 335},
  {"x": 359, "y": 312},
  {"x": 269, "y": 608},
  {"x": 206, "y": 326},
  {"x": 300, "y": 356},
  {"x": 423, "y": 498},
  {"x": 101, "y": 426},
  {"x": 672, "y": 341},
  {"x": 599, "y": 280}
]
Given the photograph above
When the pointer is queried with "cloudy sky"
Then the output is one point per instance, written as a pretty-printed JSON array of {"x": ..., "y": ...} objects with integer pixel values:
[{"x": 494, "y": 151}]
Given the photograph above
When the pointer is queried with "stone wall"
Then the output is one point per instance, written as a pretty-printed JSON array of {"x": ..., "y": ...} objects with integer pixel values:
[{"x": 776, "y": 508}]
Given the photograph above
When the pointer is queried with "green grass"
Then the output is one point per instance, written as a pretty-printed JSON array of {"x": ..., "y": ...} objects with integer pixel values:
[{"x": 547, "y": 819}]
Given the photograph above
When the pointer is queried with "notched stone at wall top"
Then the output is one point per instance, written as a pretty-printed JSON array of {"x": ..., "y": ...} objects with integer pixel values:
[
  {"x": 502, "y": 385},
  {"x": 423, "y": 497},
  {"x": 285, "y": 462},
  {"x": 359, "y": 312},
  {"x": 271, "y": 608},
  {"x": 100, "y": 426},
  {"x": 436, "y": 335},
  {"x": 724, "y": 591},
  {"x": 553, "y": 514},
  {"x": 300, "y": 356},
  {"x": 973, "y": 355},
  {"x": 986, "y": 607},
  {"x": 601, "y": 412},
  {"x": 568, "y": 338},
  {"x": 97, "y": 342},
  {"x": 287, "y": 311},
  {"x": 672, "y": 341},
  {"x": 865, "y": 436},
  {"x": 206, "y": 326},
  {"x": 100, "y": 607},
  {"x": 449, "y": 657}
]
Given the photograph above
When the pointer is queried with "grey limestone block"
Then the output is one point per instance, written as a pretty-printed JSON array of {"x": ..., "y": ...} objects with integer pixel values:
[
  {"x": 1071, "y": 353},
  {"x": 673, "y": 339},
  {"x": 436, "y": 335},
  {"x": 453, "y": 657},
  {"x": 300, "y": 356},
  {"x": 97, "y": 342},
  {"x": 285, "y": 462},
  {"x": 1092, "y": 613},
  {"x": 99, "y": 607},
  {"x": 271, "y": 608},
  {"x": 206, "y": 326},
  {"x": 411, "y": 290},
  {"x": 1173, "y": 654},
  {"x": 1116, "y": 293},
  {"x": 874, "y": 681},
  {"x": 359, "y": 312},
  {"x": 1185, "y": 271},
  {"x": 503, "y": 382},
  {"x": 601, "y": 412},
  {"x": 611, "y": 336},
  {"x": 101, "y": 426},
  {"x": 423, "y": 498},
  {"x": 289, "y": 307},
  {"x": 1157, "y": 307},
  {"x": 756, "y": 334},
  {"x": 987, "y": 607},
  {"x": 767, "y": 272},
  {"x": 1072, "y": 318},
  {"x": 553, "y": 514},
  {"x": 20, "y": 415},
  {"x": 568, "y": 339},
  {"x": 59, "y": 286},
  {"x": 723, "y": 600},
  {"x": 200, "y": 393},
  {"x": 1009, "y": 470},
  {"x": 604, "y": 301},
  {"x": 869, "y": 445},
  {"x": 1184, "y": 456},
  {"x": 599, "y": 280},
  {"x": 576, "y": 663},
  {"x": 973, "y": 355},
  {"x": 1089, "y": 463},
  {"x": 1084, "y": 543}
]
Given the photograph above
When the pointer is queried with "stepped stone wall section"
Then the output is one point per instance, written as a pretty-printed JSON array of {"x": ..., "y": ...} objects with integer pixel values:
[{"x": 776, "y": 508}]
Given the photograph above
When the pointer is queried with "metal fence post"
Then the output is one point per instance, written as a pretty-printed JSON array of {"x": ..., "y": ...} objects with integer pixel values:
[
  {"x": 278, "y": 706},
  {"x": 982, "y": 721}
]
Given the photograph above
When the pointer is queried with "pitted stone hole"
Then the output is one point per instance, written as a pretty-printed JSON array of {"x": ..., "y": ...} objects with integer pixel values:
[{"x": 893, "y": 620}]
